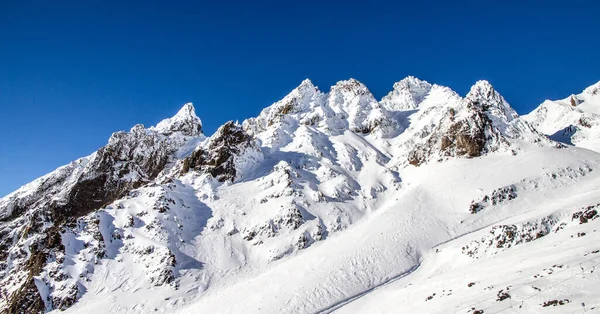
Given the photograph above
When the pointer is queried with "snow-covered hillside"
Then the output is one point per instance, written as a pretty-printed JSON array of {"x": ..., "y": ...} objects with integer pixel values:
[
  {"x": 326, "y": 201},
  {"x": 574, "y": 120}
]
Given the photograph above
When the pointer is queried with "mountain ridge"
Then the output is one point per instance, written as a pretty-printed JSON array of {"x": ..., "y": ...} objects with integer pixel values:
[{"x": 307, "y": 168}]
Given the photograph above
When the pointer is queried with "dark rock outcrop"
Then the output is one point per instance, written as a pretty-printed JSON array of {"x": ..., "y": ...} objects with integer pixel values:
[
  {"x": 470, "y": 136},
  {"x": 37, "y": 215},
  {"x": 218, "y": 157}
]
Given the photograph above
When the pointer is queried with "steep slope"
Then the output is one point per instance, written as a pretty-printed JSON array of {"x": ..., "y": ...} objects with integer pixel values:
[
  {"x": 574, "y": 120},
  {"x": 407, "y": 94},
  {"x": 35, "y": 216},
  {"x": 553, "y": 271},
  {"x": 319, "y": 199},
  {"x": 430, "y": 209},
  {"x": 481, "y": 123}
]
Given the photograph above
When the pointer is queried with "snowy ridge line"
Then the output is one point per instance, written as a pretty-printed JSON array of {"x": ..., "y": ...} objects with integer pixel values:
[
  {"x": 187, "y": 223},
  {"x": 357, "y": 296},
  {"x": 564, "y": 269}
]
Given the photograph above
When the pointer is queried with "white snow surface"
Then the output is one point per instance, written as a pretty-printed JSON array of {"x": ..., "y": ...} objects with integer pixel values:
[
  {"x": 326, "y": 214},
  {"x": 574, "y": 120}
]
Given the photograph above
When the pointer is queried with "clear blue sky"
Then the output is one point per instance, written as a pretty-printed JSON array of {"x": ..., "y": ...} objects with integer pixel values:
[{"x": 71, "y": 73}]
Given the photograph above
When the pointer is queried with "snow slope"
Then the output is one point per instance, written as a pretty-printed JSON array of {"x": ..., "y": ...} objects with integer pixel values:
[
  {"x": 574, "y": 120},
  {"x": 326, "y": 201}
]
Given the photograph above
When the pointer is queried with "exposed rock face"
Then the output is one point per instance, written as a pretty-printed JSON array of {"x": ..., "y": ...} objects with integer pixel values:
[
  {"x": 574, "y": 101},
  {"x": 35, "y": 216},
  {"x": 224, "y": 154},
  {"x": 129, "y": 160},
  {"x": 481, "y": 123},
  {"x": 322, "y": 151},
  {"x": 587, "y": 214},
  {"x": 470, "y": 137},
  {"x": 502, "y": 237}
]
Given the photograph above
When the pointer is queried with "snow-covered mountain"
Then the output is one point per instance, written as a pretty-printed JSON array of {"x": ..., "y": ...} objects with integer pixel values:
[
  {"x": 326, "y": 201},
  {"x": 574, "y": 120}
]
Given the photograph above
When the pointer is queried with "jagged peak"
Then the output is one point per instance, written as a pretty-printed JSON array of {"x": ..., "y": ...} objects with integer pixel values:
[
  {"x": 406, "y": 94},
  {"x": 351, "y": 81},
  {"x": 410, "y": 82},
  {"x": 483, "y": 95},
  {"x": 306, "y": 89},
  {"x": 349, "y": 84},
  {"x": 138, "y": 128},
  {"x": 230, "y": 129},
  {"x": 227, "y": 126},
  {"x": 185, "y": 121},
  {"x": 482, "y": 89},
  {"x": 307, "y": 84},
  {"x": 187, "y": 111}
]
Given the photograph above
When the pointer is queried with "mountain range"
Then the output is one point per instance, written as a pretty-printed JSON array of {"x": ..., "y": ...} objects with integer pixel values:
[{"x": 325, "y": 202}]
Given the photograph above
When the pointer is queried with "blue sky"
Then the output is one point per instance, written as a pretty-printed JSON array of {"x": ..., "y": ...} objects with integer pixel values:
[{"x": 71, "y": 73}]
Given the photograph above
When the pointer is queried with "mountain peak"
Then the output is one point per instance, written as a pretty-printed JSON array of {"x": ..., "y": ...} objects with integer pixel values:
[
  {"x": 411, "y": 82},
  {"x": 305, "y": 88},
  {"x": 483, "y": 94},
  {"x": 187, "y": 111},
  {"x": 407, "y": 94},
  {"x": 352, "y": 82},
  {"x": 306, "y": 83},
  {"x": 185, "y": 121},
  {"x": 482, "y": 90},
  {"x": 481, "y": 87},
  {"x": 351, "y": 85}
]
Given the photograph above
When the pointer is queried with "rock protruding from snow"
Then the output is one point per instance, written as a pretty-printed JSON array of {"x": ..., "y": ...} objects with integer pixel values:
[
  {"x": 483, "y": 122},
  {"x": 468, "y": 133},
  {"x": 185, "y": 122},
  {"x": 167, "y": 207},
  {"x": 227, "y": 155},
  {"x": 34, "y": 215},
  {"x": 406, "y": 95},
  {"x": 495, "y": 107}
]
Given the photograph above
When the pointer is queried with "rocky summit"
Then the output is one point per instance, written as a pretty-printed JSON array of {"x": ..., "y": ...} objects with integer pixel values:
[{"x": 327, "y": 201}]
